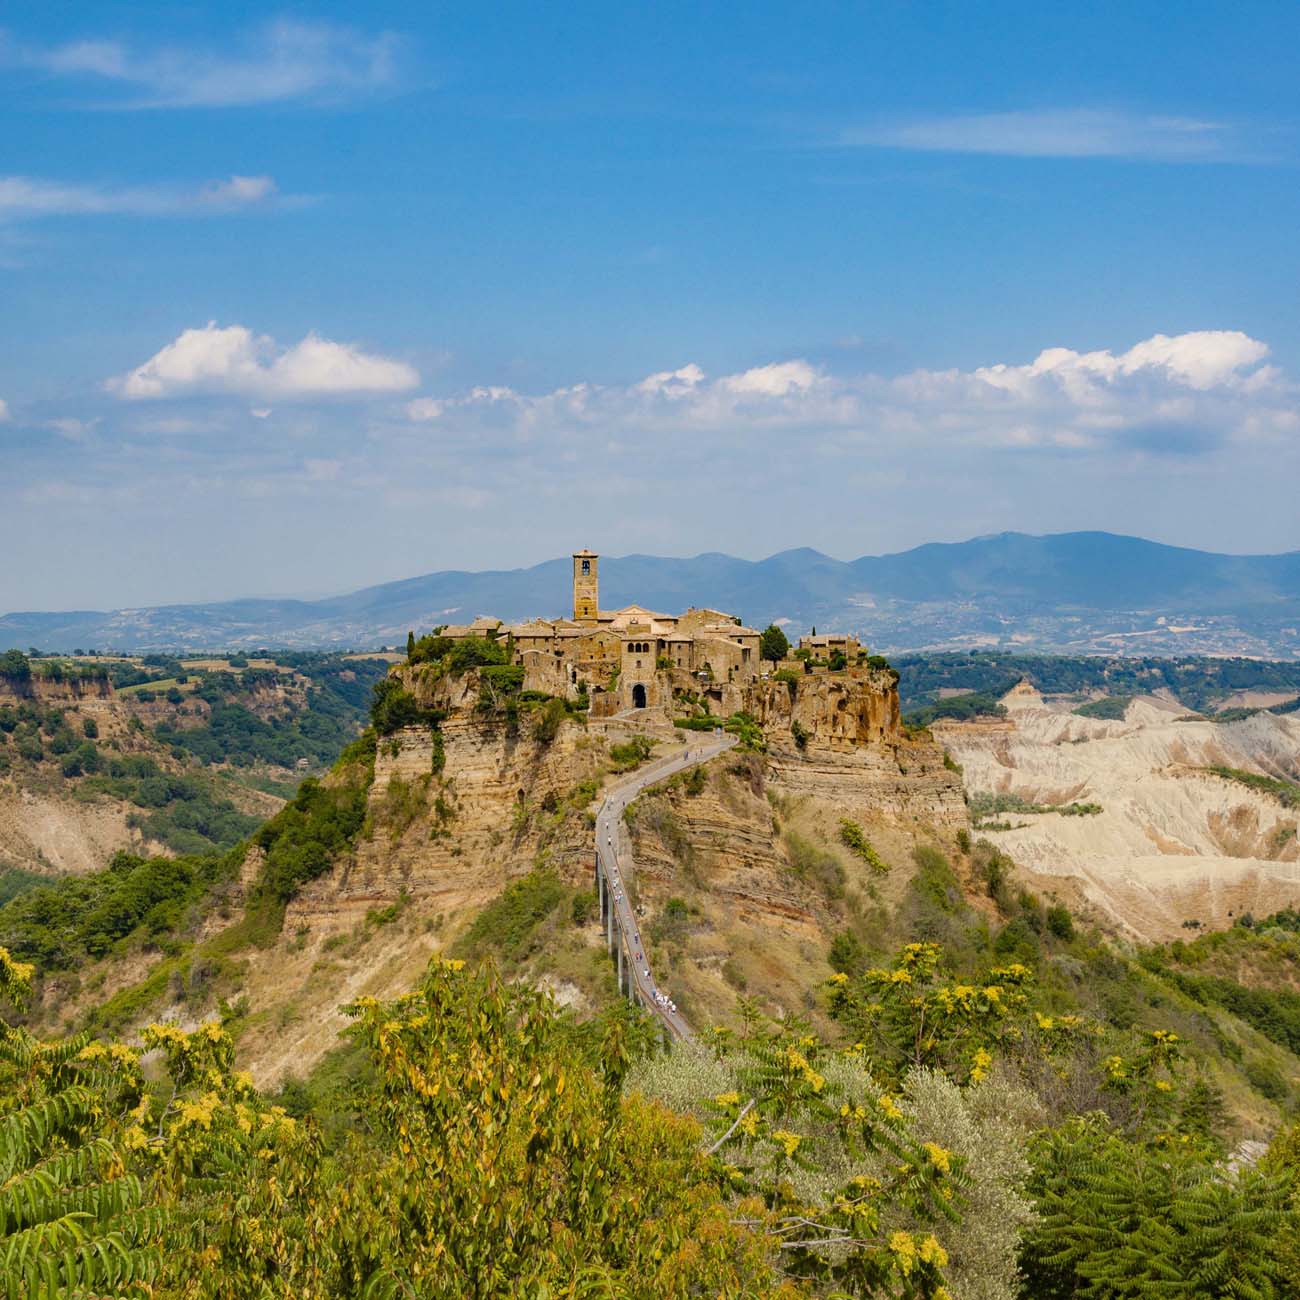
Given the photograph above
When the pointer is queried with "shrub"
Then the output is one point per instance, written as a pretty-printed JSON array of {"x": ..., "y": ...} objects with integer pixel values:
[
  {"x": 303, "y": 838},
  {"x": 476, "y": 652},
  {"x": 847, "y": 954},
  {"x": 1266, "y": 1079},
  {"x": 395, "y": 707},
  {"x": 800, "y": 733},
  {"x": 1060, "y": 922},
  {"x": 549, "y": 719},
  {"x": 746, "y": 726},
  {"x": 851, "y": 834},
  {"x": 934, "y": 885},
  {"x": 429, "y": 648},
  {"x": 507, "y": 926},
  {"x": 1110, "y": 708},
  {"x": 630, "y": 754},
  {"x": 816, "y": 865}
]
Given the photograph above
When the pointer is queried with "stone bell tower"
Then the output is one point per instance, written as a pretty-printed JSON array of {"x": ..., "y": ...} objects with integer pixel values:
[{"x": 586, "y": 589}]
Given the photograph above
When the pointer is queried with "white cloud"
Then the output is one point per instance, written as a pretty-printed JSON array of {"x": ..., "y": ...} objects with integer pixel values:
[
  {"x": 4, "y": 411},
  {"x": 284, "y": 61},
  {"x": 424, "y": 408},
  {"x": 238, "y": 190},
  {"x": 1177, "y": 394},
  {"x": 232, "y": 359},
  {"x": 778, "y": 380},
  {"x": 1058, "y": 133},
  {"x": 672, "y": 383},
  {"x": 26, "y": 197}
]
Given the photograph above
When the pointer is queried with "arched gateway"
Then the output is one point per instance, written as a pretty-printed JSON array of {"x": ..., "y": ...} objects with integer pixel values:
[{"x": 638, "y": 696}]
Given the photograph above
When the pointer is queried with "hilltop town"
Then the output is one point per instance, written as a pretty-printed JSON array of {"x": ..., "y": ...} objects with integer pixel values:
[{"x": 634, "y": 658}]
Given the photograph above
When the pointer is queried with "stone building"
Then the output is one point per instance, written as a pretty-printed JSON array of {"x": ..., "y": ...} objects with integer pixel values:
[
  {"x": 830, "y": 643},
  {"x": 629, "y": 658}
]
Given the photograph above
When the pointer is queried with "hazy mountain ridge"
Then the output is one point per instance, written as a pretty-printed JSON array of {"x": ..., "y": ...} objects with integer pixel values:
[{"x": 1070, "y": 591}]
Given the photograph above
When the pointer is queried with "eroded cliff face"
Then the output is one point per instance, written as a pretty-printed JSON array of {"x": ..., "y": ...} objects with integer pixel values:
[
  {"x": 842, "y": 711},
  {"x": 1169, "y": 841},
  {"x": 837, "y": 738},
  {"x": 50, "y": 692},
  {"x": 501, "y": 805},
  {"x": 754, "y": 852},
  {"x": 752, "y": 846}
]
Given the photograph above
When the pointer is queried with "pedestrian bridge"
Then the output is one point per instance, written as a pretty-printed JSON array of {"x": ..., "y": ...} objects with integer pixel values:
[{"x": 614, "y": 866}]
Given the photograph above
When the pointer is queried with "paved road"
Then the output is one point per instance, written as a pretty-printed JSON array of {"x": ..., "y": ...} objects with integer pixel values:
[{"x": 616, "y": 863}]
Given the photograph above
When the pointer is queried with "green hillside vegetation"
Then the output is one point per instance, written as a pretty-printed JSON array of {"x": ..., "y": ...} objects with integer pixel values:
[
  {"x": 1287, "y": 793},
  {"x": 990, "y": 1101},
  {"x": 1009, "y": 1110},
  {"x": 1110, "y": 708},
  {"x": 961, "y": 708},
  {"x": 317, "y": 705},
  {"x": 334, "y": 710},
  {"x": 985, "y": 805},
  {"x": 15, "y": 881},
  {"x": 1198, "y": 682}
]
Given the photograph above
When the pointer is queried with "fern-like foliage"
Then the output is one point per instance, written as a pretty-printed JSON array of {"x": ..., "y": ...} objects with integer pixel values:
[
  {"x": 1124, "y": 1221},
  {"x": 73, "y": 1222}
]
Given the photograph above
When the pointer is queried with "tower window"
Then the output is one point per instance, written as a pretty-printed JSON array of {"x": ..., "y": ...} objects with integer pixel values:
[{"x": 586, "y": 567}]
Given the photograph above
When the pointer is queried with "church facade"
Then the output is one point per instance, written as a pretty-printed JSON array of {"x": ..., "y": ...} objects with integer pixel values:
[{"x": 629, "y": 658}]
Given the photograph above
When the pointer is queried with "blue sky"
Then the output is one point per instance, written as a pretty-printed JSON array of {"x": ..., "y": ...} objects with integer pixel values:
[{"x": 293, "y": 300}]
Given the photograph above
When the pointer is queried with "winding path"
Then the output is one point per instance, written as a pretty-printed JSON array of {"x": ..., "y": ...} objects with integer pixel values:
[{"x": 614, "y": 863}]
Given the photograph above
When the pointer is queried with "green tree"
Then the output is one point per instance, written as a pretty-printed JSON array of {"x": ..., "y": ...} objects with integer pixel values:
[
  {"x": 15, "y": 667},
  {"x": 773, "y": 644},
  {"x": 1124, "y": 1220}
]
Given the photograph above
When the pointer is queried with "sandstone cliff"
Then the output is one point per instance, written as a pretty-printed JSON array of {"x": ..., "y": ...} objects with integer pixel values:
[
  {"x": 456, "y": 815},
  {"x": 1171, "y": 842}
]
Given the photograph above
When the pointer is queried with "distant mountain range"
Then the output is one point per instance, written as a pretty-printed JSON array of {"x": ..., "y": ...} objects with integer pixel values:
[{"x": 1070, "y": 592}]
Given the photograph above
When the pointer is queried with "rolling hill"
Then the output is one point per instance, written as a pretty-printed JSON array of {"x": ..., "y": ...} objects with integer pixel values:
[{"x": 1072, "y": 592}]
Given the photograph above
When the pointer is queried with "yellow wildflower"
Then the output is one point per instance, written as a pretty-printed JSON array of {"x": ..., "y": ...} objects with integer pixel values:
[
  {"x": 199, "y": 1112},
  {"x": 939, "y": 1158},
  {"x": 933, "y": 1253},
  {"x": 787, "y": 1140},
  {"x": 902, "y": 1245}
]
